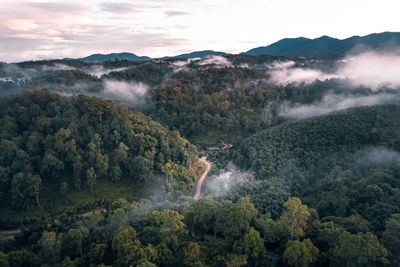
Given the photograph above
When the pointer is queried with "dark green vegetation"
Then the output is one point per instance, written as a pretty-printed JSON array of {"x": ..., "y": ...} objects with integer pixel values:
[
  {"x": 52, "y": 146},
  {"x": 319, "y": 192},
  {"x": 204, "y": 233},
  {"x": 340, "y": 164}
]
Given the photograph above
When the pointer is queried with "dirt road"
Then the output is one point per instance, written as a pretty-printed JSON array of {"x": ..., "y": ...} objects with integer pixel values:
[{"x": 202, "y": 178}]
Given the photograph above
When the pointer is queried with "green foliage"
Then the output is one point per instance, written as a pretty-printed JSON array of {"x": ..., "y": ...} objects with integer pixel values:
[
  {"x": 362, "y": 249},
  {"x": 391, "y": 238},
  {"x": 51, "y": 139},
  {"x": 240, "y": 216},
  {"x": 126, "y": 247},
  {"x": 50, "y": 245},
  {"x": 168, "y": 219},
  {"x": 193, "y": 255},
  {"x": 340, "y": 164},
  {"x": 251, "y": 245},
  {"x": 294, "y": 219},
  {"x": 74, "y": 240},
  {"x": 300, "y": 253}
]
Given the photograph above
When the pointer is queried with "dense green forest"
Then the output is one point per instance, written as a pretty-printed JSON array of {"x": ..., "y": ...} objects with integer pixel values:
[
  {"x": 86, "y": 181},
  {"x": 55, "y": 143}
]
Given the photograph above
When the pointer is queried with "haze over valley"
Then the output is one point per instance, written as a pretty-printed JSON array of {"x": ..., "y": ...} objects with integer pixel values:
[{"x": 144, "y": 134}]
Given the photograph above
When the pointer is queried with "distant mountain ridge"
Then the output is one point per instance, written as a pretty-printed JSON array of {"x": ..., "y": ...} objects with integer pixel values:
[
  {"x": 113, "y": 56},
  {"x": 133, "y": 57},
  {"x": 326, "y": 45},
  {"x": 200, "y": 54},
  {"x": 296, "y": 47}
]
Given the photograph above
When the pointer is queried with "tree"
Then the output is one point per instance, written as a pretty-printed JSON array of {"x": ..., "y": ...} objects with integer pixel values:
[
  {"x": 251, "y": 245},
  {"x": 236, "y": 260},
  {"x": 25, "y": 187},
  {"x": 3, "y": 260},
  {"x": 240, "y": 216},
  {"x": 269, "y": 228},
  {"x": 362, "y": 249},
  {"x": 98, "y": 254},
  {"x": 91, "y": 178},
  {"x": 21, "y": 258},
  {"x": 67, "y": 262},
  {"x": 146, "y": 263},
  {"x": 204, "y": 214},
  {"x": 391, "y": 238},
  {"x": 51, "y": 165},
  {"x": 115, "y": 173},
  {"x": 294, "y": 219},
  {"x": 193, "y": 255},
  {"x": 126, "y": 247},
  {"x": 165, "y": 256},
  {"x": 168, "y": 219},
  {"x": 50, "y": 245},
  {"x": 74, "y": 239},
  {"x": 300, "y": 253}
]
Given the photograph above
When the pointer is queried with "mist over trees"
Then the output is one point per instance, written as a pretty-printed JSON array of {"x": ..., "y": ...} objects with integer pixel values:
[{"x": 97, "y": 182}]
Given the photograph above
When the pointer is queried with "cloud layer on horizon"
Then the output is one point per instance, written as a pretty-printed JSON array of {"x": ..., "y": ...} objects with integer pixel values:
[{"x": 43, "y": 29}]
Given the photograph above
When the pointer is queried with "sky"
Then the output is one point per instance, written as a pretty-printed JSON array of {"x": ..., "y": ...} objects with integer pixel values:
[{"x": 34, "y": 30}]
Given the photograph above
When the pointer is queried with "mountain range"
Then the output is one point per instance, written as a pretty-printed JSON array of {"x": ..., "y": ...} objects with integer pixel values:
[
  {"x": 299, "y": 47},
  {"x": 113, "y": 56},
  {"x": 327, "y": 45}
]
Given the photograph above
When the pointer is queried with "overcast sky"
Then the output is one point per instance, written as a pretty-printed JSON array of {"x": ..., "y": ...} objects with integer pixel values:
[{"x": 58, "y": 29}]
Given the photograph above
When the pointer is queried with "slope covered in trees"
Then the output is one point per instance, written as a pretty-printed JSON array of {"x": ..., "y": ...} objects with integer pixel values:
[
  {"x": 341, "y": 164},
  {"x": 202, "y": 233},
  {"x": 71, "y": 143}
]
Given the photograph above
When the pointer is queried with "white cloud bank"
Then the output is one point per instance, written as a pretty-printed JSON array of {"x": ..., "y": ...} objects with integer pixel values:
[
  {"x": 373, "y": 69},
  {"x": 132, "y": 93},
  {"x": 334, "y": 102},
  {"x": 218, "y": 61}
]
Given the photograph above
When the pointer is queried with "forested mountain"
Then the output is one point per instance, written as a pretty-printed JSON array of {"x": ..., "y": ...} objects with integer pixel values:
[
  {"x": 113, "y": 56},
  {"x": 97, "y": 169},
  {"x": 327, "y": 45},
  {"x": 200, "y": 54},
  {"x": 333, "y": 162},
  {"x": 70, "y": 143}
]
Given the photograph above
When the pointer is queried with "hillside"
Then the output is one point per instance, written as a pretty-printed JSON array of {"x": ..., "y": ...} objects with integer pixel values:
[
  {"x": 327, "y": 45},
  {"x": 331, "y": 162},
  {"x": 57, "y": 144}
]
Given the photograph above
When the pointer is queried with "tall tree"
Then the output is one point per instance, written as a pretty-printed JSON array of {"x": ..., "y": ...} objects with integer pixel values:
[
  {"x": 300, "y": 253},
  {"x": 251, "y": 245},
  {"x": 294, "y": 219}
]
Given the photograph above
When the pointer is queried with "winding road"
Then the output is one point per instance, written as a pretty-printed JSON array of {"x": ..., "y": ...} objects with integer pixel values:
[{"x": 202, "y": 178}]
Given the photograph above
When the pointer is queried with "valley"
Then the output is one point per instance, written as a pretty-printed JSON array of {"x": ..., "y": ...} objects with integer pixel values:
[{"x": 203, "y": 159}]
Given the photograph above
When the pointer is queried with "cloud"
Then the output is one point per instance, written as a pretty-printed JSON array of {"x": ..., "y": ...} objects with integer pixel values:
[
  {"x": 172, "y": 13},
  {"x": 60, "y": 7},
  {"x": 226, "y": 182},
  {"x": 181, "y": 65},
  {"x": 372, "y": 68},
  {"x": 335, "y": 102},
  {"x": 218, "y": 61},
  {"x": 376, "y": 156},
  {"x": 120, "y": 7},
  {"x": 99, "y": 70},
  {"x": 56, "y": 67},
  {"x": 132, "y": 93},
  {"x": 283, "y": 72},
  {"x": 58, "y": 29}
]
